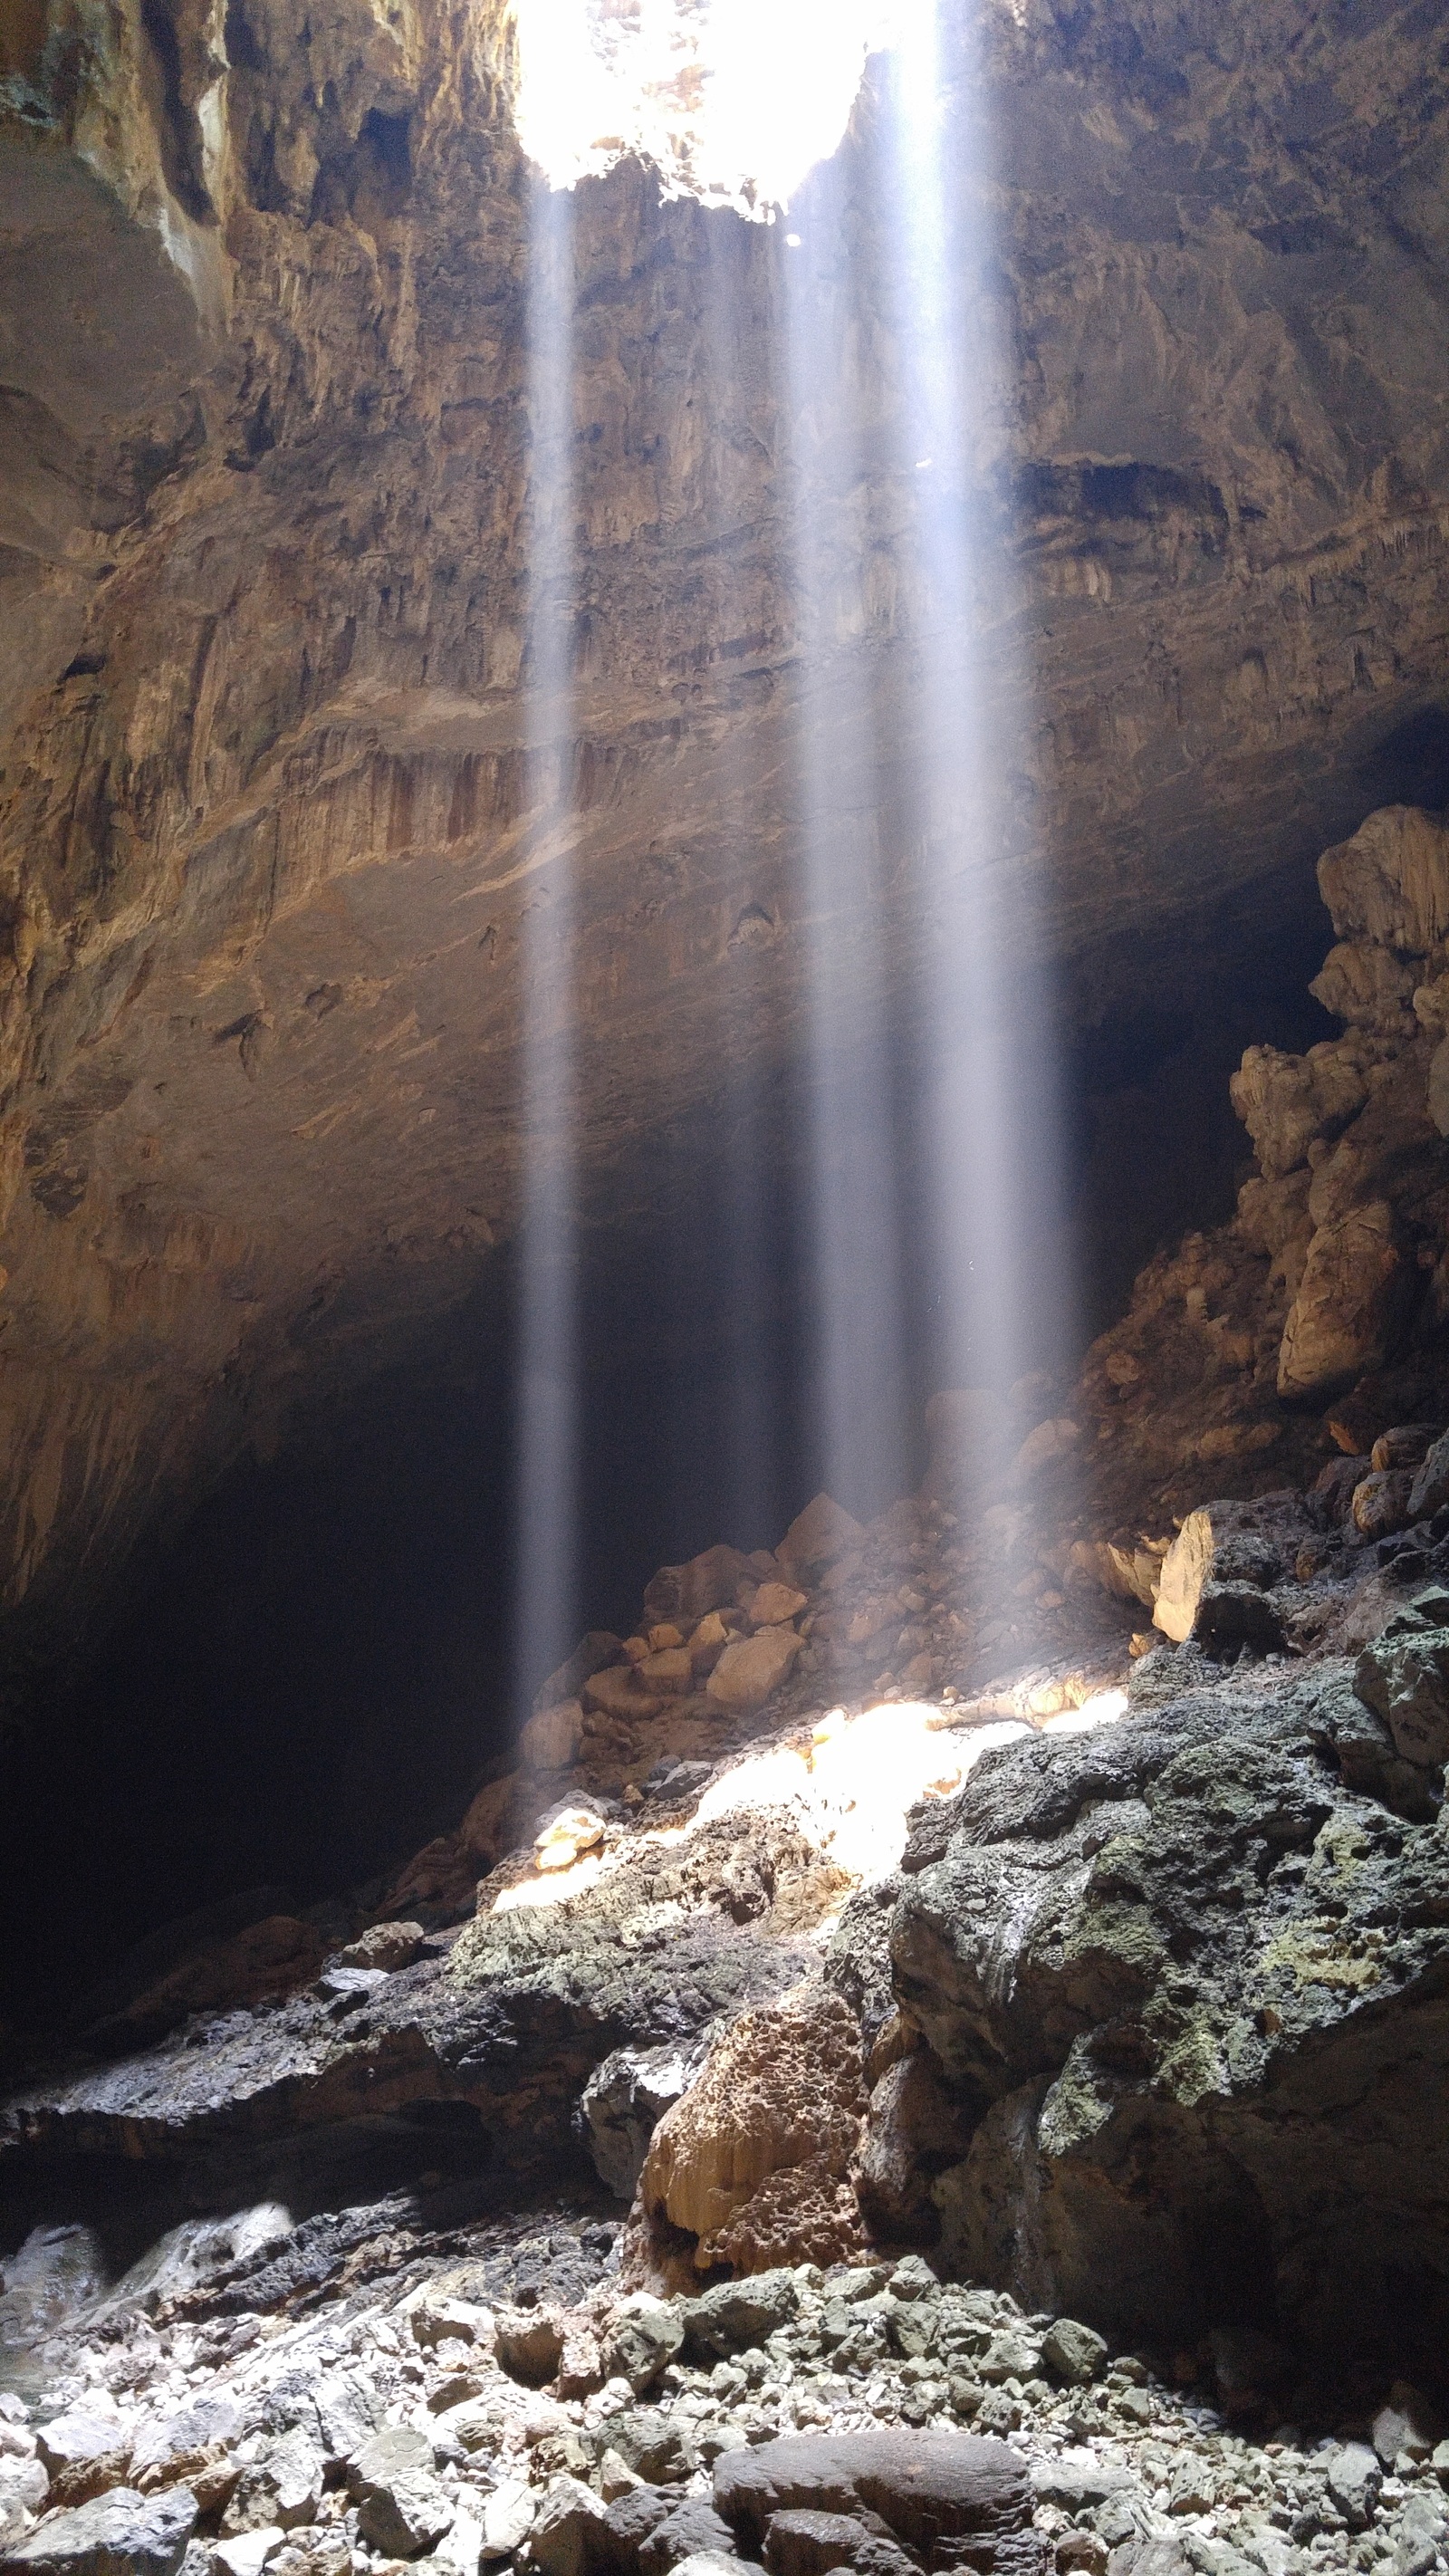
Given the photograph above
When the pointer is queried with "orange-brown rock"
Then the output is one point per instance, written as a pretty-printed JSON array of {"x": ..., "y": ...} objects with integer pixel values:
[{"x": 754, "y": 2158}]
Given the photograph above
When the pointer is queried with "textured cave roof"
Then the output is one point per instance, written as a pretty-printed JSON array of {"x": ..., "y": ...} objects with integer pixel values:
[{"x": 264, "y": 716}]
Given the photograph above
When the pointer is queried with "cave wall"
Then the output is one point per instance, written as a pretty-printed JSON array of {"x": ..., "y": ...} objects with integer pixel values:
[{"x": 273, "y": 495}]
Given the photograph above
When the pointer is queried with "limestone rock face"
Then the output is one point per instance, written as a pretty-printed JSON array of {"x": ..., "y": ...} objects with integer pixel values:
[
  {"x": 1221, "y": 1543},
  {"x": 273, "y": 804},
  {"x": 1327, "y": 1295},
  {"x": 1286, "y": 1102},
  {"x": 1389, "y": 884},
  {"x": 1171, "y": 1964}
]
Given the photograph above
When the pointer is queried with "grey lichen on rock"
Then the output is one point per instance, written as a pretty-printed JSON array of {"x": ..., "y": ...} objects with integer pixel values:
[{"x": 1167, "y": 1963}]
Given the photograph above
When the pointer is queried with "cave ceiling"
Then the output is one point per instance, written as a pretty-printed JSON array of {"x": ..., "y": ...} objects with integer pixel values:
[{"x": 269, "y": 721}]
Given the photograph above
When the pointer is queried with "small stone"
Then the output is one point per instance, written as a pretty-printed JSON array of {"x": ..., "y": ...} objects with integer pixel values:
[
  {"x": 508, "y": 2517},
  {"x": 1355, "y": 2480},
  {"x": 402, "y": 2507},
  {"x": 913, "y": 2279},
  {"x": 645, "y": 2335},
  {"x": 774, "y": 1603},
  {"x": 565, "y": 1834},
  {"x": 752, "y": 1667},
  {"x": 615, "y": 2476},
  {"x": 1134, "y": 2405},
  {"x": 1077, "y": 2478},
  {"x": 389, "y": 1946},
  {"x": 1073, "y": 2352},
  {"x": 568, "y": 2529}
]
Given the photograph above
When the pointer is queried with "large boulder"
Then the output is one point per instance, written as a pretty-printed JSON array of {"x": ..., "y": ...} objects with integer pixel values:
[
  {"x": 1226, "y": 1543},
  {"x": 683, "y": 1593},
  {"x": 550, "y": 1741},
  {"x": 1430, "y": 1489},
  {"x": 932, "y": 2490},
  {"x": 1404, "y": 1677},
  {"x": 568, "y": 2534},
  {"x": 643, "y": 2339},
  {"x": 281, "y": 2488},
  {"x": 1196, "y": 1970},
  {"x": 593, "y": 1654},
  {"x": 85, "y": 2451},
  {"x": 120, "y": 2534},
  {"x": 402, "y": 2507},
  {"x": 623, "y": 2102},
  {"x": 819, "y": 1537},
  {"x": 753, "y": 2159}
]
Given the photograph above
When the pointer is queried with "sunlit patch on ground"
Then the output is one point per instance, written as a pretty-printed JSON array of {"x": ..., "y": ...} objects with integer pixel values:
[{"x": 851, "y": 1790}]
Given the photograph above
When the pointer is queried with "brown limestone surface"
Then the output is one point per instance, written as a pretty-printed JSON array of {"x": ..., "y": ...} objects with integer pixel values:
[{"x": 283, "y": 809}]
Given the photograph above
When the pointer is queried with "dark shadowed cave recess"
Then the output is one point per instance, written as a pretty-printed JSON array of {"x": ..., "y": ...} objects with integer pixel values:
[{"x": 309, "y": 1681}]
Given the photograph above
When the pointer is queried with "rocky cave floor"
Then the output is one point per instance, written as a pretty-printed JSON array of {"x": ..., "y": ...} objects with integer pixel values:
[{"x": 982, "y": 1974}]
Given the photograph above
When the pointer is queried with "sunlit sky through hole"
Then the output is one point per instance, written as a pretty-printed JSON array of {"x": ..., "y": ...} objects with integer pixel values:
[{"x": 733, "y": 101}]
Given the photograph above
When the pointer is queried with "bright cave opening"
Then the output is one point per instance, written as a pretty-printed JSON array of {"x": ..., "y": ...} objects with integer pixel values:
[{"x": 732, "y": 101}]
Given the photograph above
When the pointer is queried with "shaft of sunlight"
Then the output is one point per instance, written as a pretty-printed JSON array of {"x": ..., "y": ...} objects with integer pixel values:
[
  {"x": 547, "y": 1499},
  {"x": 851, "y": 1143},
  {"x": 992, "y": 1147}
]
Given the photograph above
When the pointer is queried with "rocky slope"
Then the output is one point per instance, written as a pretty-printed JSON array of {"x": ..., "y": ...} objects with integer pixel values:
[
  {"x": 1146, "y": 2027},
  {"x": 869, "y": 1897},
  {"x": 278, "y": 788}
]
